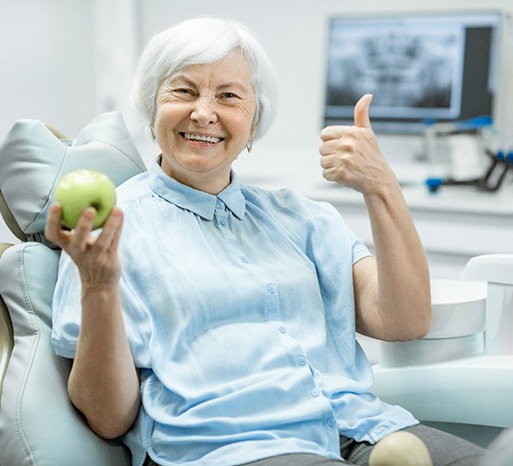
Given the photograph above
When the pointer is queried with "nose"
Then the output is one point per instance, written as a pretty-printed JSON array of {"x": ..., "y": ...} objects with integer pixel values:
[{"x": 204, "y": 111}]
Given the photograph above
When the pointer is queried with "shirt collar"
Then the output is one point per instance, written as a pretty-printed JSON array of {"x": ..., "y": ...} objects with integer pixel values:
[{"x": 198, "y": 202}]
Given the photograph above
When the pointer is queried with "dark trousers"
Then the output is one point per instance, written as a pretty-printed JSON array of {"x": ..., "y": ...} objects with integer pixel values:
[{"x": 445, "y": 449}]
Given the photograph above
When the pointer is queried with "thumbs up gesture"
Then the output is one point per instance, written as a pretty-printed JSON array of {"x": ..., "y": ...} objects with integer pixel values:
[{"x": 350, "y": 155}]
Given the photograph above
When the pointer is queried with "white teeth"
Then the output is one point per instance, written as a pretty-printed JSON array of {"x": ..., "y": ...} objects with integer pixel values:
[{"x": 198, "y": 137}]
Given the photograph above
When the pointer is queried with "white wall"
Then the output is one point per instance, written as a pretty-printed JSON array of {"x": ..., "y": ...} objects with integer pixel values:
[
  {"x": 46, "y": 62},
  {"x": 64, "y": 61},
  {"x": 46, "y": 68}
]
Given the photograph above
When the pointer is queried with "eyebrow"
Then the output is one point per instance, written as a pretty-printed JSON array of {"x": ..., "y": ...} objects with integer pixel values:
[{"x": 229, "y": 85}]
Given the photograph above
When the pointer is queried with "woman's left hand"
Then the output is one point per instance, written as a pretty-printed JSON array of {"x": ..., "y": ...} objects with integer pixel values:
[
  {"x": 351, "y": 157},
  {"x": 391, "y": 293}
]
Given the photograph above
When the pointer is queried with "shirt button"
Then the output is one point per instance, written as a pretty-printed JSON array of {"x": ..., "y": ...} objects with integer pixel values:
[
  {"x": 218, "y": 204},
  {"x": 222, "y": 222},
  {"x": 301, "y": 360},
  {"x": 271, "y": 289},
  {"x": 282, "y": 329},
  {"x": 331, "y": 422},
  {"x": 244, "y": 259},
  {"x": 314, "y": 392}
]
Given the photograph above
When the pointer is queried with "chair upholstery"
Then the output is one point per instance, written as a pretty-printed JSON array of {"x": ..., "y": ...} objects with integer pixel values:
[
  {"x": 6, "y": 337},
  {"x": 38, "y": 424}
]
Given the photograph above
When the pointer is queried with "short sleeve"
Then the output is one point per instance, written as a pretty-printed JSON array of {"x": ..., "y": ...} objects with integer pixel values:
[
  {"x": 67, "y": 311},
  {"x": 66, "y": 308}
]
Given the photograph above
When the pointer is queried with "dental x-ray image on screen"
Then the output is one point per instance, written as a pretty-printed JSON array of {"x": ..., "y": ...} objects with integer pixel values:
[{"x": 425, "y": 68}]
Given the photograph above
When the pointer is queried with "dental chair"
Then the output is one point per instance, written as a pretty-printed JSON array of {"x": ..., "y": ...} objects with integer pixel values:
[
  {"x": 38, "y": 424},
  {"x": 459, "y": 377}
]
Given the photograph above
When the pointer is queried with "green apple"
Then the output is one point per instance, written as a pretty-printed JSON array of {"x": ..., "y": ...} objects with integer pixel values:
[{"x": 82, "y": 189}]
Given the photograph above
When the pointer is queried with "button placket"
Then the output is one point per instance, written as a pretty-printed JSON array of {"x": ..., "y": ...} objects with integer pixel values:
[
  {"x": 301, "y": 360},
  {"x": 331, "y": 422},
  {"x": 220, "y": 213},
  {"x": 272, "y": 301}
]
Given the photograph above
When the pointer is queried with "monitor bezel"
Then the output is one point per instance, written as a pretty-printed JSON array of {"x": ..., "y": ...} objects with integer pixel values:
[{"x": 388, "y": 124}]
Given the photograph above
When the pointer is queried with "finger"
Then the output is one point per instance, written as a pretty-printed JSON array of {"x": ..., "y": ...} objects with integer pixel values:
[
  {"x": 111, "y": 229},
  {"x": 326, "y": 148},
  {"x": 84, "y": 227},
  {"x": 53, "y": 224},
  {"x": 334, "y": 174},
  {"x": 332, "y": 132},
  {"x": 326, "y": 162},
  {"x": 332, "y": 146},
  {"x": 361, "y": 112},
  {"x": 115, "y": 242}
]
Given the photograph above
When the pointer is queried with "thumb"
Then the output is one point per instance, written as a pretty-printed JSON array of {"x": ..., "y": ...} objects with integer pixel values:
[{"x": 361, "y": 112}]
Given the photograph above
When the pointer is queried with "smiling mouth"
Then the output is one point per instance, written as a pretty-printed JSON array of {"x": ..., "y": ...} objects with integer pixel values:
[{"x": 201, "y": 138}]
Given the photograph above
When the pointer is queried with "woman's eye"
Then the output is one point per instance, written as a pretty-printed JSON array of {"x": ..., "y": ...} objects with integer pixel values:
[
  {"x": 180, "y": 92},
  {"x": 230, "y": 96}
]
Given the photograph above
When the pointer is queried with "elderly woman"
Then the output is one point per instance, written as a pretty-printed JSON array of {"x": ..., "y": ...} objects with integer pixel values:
[{"x": 212, "y": 323}]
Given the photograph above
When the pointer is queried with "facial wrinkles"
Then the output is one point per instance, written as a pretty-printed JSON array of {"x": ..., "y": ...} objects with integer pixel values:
[{"x": 206, "y": 93}]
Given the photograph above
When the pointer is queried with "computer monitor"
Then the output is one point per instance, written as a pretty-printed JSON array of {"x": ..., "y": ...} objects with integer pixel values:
[{"x": 421, "y": 68}]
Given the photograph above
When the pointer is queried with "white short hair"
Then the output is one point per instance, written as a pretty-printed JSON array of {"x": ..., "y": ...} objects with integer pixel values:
[{"x": 203, "y": 40}]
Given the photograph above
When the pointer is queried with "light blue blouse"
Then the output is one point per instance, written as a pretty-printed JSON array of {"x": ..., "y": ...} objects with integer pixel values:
[{"x": 239, "y": 309}]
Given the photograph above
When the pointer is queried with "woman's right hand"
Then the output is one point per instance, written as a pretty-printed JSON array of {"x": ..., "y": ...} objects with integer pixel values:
[
  {"x": 96, "y": 256},
  {"x": 104, "y": 382}
]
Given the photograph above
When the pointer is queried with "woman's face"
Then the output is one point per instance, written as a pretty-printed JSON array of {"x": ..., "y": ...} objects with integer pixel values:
[{"x": 204, "y": 119}]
